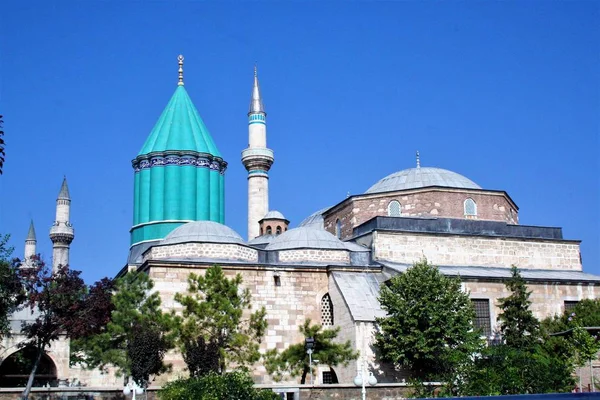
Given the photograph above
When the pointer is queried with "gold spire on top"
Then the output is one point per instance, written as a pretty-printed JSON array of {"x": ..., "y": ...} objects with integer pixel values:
[
  {"x": 418, "y": 160},
  {"x": 180, "y": 59}
]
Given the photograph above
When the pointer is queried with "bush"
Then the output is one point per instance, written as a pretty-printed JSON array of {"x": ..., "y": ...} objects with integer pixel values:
[{"x": 230, "y": 386}]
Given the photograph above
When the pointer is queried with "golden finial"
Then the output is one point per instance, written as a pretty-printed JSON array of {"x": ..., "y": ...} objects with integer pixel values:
[
  {"x": 180, "y": 59},
  {"x": 418, "y": 160}
]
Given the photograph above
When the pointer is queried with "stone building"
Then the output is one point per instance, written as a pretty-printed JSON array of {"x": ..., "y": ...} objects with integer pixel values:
[{"x": 330, "y": 266}]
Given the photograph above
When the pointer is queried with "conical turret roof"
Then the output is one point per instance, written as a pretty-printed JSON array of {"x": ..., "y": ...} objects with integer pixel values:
[
  {"x": 256, "y": 103},
  {"x": 180, "y": 128},
  {"x": 64, "y": 191},
  {"x": 31, "y": 233}
]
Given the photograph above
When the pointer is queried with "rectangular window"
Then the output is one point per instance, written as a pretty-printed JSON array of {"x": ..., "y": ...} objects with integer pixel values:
[
  {"x": 570, "y": 305},
  {"x": 482, "y": 316}
]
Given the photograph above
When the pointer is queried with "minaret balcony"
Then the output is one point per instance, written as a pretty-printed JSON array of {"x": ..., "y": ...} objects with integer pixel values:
[{"x": 257, "y": 158}]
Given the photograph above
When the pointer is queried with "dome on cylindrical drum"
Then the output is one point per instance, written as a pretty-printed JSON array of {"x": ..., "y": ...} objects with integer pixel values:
[
  {"x": 413, "y": 178},
  {"x": 203, "y": 231},
  {"x": 306, "y": 238}
]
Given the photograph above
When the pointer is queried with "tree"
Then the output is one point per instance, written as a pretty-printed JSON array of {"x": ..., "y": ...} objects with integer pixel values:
[
  {"x": 213, "y": 386},
  {"x": 54, "y": 299},
  {"x": 11, "y": 290},
  {"x": 428, "y": 328},
  {"x": 518, "y": 327},
  {"x": 294, "y": 360},
  {"x": 136, "y": 317},
  {"x": 214, "y": 317}
]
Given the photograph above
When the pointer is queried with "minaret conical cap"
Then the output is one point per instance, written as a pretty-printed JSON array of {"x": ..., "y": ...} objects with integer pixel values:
[
  {"x": 256, "y": 104},
  {"x": 31, "y": 233},
  {"x": 64, "y": 191}
]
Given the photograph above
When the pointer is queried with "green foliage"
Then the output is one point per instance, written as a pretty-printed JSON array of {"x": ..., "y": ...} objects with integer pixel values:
[
  {"x": 585, "y": 345},
  {"x": 586, "y": 313},
  {"x": 229, "y": 386},
  {"x": 120, "y": 342},
  {"x": 11, "y": 290},
  {"x": 294, "y": 360},
  {"x": 519, "y": 328},
  {"x": 429, "y": 324},
  {"x": 215, "y": 314}
]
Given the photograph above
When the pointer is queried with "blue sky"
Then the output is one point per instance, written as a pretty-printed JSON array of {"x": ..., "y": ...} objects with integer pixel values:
[{"x": 505, "y": 93}]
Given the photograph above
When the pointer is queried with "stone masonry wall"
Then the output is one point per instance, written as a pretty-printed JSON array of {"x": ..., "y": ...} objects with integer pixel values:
[
  {"x": 314, "y": 255},
  {"x": 343, "y": 319},
  {"x": 443, "y": 203},
  {"x": 288, "y": 305},
  {"x": 476, "y": 251},
  {"x": 203, "y": 250}
]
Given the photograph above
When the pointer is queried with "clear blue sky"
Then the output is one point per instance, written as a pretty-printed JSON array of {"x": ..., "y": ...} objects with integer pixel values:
[{"x": 505, "y": 93}]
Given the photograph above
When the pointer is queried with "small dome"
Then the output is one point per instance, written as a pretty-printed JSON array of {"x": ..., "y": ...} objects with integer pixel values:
[
  {"x": 315, "y": 220},
  {"x": 203, "y": 231},
  {"x": 413, "y": 178},
  {"x": 274, "y": 215},
  {"x": 306, "y": 238}
]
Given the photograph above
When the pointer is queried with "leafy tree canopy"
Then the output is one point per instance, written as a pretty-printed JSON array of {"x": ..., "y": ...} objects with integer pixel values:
[
  {"x": 586, "y": 313},
  {"x": 428, "y": 328},
  {"x": 218, "y": 330},
  {"x": 136, "y": 316},
  {"x": 294, "y": 360},
  {"x": 11, "y": 290}
]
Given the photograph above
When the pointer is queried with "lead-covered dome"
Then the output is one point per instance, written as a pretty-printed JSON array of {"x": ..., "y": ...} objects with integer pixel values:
[
  {"x": 419, "y": 177},
  {"x": 306, "y": 238},
  {"x": 273, "y": 214},
  {"x": 203, "y": 231}
]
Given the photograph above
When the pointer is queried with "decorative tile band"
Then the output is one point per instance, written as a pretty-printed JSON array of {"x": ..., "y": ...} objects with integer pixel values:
[{"x": 150, "y": 161}]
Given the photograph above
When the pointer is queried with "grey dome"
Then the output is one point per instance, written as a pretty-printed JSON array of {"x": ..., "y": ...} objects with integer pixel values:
[
  {"x": 203, "y": 231},
  {"x": 306, "y": 237},
  {"x": 422, "y": 177},
  {"x": 315, "y": 220},
  {"x": 274, "y": 215}
]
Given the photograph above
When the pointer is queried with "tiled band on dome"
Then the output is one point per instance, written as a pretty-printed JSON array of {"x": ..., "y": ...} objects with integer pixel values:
[{"x": 194, "y": 159}]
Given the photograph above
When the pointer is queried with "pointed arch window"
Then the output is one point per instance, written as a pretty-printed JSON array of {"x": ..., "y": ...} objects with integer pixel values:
[
  {"x": 269, "y": 230},
  {"x": 278, "y": 230},
  {"x": 338, "y": 228},
  {"x": 326, "y": 310},
  {"x": 394, "y": 209},
  {"x": 470, "y": 208}
]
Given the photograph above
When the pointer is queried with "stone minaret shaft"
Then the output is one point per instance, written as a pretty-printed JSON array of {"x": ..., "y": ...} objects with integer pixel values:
[
  {"x": 30, "y": 246},
  {"x": 257, "y": 159},
  {"x": 62, "y": 232}
]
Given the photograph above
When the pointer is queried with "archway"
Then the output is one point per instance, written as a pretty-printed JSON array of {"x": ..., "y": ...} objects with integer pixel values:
[{"x": 15, "y": 369}]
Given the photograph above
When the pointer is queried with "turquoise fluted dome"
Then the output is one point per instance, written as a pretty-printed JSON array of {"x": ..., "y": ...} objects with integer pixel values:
[{"x": 179, "y": 174}]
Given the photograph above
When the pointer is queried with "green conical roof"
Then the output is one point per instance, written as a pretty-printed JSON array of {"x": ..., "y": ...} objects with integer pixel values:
[{"x": 180, "y": 128}]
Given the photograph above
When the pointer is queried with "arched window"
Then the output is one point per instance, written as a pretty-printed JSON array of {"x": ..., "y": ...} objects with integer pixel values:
[
  {"x": 326, "y": 310},
  {"x": 394, "y": 209},
  {"x": 261, "y": 231},
  {"x": 278, "y": 230},
  {"x": 269, "y": 230},
  {"x": 470, "y": 208},
  {"x": 338, "y": 228}
]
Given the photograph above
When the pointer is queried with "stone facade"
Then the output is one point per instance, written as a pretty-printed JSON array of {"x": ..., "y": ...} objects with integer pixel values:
[
  {"x": 316, "y": 255},
  {"x": 222, "y": 251},
  {"x": 289, "y": 300},
  {"x": 466, "y": 250},
  {"x": 427, "y": 202}
]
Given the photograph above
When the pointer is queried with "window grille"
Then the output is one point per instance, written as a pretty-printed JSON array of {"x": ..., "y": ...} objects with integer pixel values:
[
  {"x": 326, "y": 310},
  {"x": 394, "y": 209},
  {"x": 482, "y": 316},
  {"x": 570, "y": 305},
  {"x": 470, "y": 207},
  {"x": 329, "y": 377}
]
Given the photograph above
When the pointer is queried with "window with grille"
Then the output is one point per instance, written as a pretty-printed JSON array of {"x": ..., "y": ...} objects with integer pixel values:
[
  {"x": 470, "y": 208},
  {"x": 338, "y": 228},
  {"x": 394, "y": 209},
  {"x": 482, "y": 316},
  {"x": 326, "y": 310},
  {"x": 329, "y": 377},
  {"x": 570, "y": 305}
]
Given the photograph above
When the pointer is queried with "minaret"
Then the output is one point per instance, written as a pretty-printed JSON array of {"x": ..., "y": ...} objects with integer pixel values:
[
  {"x": 257, "y": 159},
  {"x": 30, "y": 246},
  {"x": 62, "y": 232}
]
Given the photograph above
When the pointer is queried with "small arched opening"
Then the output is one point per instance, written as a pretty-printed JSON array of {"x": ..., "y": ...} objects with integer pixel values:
[
  {"x": 269, "y": 230},
  {"x": 278, "y": 230},
  {"x": 15, "y": 369}
]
